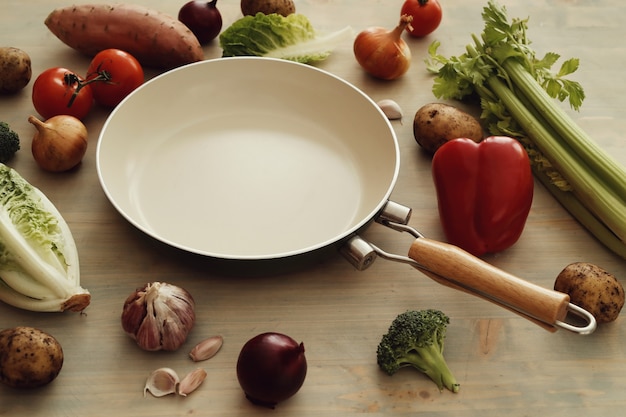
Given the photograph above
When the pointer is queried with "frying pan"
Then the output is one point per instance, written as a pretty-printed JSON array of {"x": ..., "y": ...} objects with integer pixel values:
[{"x": 253, "y": 159}]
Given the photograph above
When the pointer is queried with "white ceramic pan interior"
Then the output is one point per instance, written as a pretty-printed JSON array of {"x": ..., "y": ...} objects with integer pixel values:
[{"x": 248, "y": 158}]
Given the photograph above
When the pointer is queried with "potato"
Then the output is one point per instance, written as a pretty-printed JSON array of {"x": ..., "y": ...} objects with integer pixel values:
[
  {"x": 592, "y": 288},
  {"x": 15, "y": 70},
  {"x": 436, "y": 123},
  {"x": 29, "y": 357},
  {"x": 282, "y": 7}
]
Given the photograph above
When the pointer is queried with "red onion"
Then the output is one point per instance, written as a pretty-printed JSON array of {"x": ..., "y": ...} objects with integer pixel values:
[
  {"x": 202, "y": 18},
  {"x": 271, "y": 368}
]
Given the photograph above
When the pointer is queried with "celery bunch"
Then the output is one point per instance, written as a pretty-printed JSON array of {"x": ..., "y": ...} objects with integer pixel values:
[{"x": 519, "y": 96}]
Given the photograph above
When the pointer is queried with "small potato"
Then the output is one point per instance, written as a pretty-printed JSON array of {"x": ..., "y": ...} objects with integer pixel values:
[
  {"x": 29, "y": 357},
  {"x": 436, "y": 123},
  {"x": 282, "y": 7},
  {"x": 592, "y": 288},
  {"x": 15, "y": 70}
]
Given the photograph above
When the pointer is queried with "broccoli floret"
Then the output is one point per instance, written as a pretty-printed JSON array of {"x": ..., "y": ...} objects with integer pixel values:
[
  {"x": 9, "y": 142},
  {"x": 416, "y": 338}
]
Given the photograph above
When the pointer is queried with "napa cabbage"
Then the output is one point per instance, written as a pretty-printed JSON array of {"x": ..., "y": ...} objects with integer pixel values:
[{"x": 39, "y": 268}]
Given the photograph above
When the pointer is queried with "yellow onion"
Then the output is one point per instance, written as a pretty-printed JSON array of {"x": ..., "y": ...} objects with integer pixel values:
[
  {"x": 59, "y": 143},
  {"x": 383, "y": 53}
]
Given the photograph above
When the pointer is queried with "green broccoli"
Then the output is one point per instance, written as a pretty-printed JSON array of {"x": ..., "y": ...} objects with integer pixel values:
[
  {"x": 416, "y": 338},
  {"x": 9, "y": 142}
]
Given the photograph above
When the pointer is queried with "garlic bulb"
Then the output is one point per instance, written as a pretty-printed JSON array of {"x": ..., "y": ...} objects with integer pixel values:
[{"x": 159, "y": 316}]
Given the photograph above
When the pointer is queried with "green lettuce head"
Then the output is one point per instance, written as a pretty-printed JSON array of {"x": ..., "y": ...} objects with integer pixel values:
[{"x": 275, "y": 36}]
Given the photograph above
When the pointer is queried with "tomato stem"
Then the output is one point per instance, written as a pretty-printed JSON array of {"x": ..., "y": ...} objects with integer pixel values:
[{"x": 71, "y": 79}]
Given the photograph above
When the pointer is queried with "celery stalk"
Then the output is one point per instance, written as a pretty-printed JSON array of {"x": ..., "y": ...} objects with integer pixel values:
[
  {"x": 582, "y": 214},
  {"x": 598, "y": 160}
]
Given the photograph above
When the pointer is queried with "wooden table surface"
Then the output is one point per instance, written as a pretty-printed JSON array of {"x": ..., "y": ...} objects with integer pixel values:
[{"x": 505, "y": 364}]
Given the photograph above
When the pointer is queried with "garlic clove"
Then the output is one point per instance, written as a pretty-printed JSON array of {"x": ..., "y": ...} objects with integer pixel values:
[
  {"x": 148, "y": 335},
  {"x": 391, "y": 109},
  {"x": 191, "y": 382},
  {"x": 162, "y": 382},
  {"x": 206, "y": 349},
  {"x": 133, "y": 314},
  {"x": 179, "y": 300}
]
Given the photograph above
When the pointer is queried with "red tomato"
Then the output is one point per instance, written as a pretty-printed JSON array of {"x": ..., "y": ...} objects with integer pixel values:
[
  {"x": 113, "y": 74},
  {"x": 426, "y": 16},
  {"x": 60, "y": 91}
]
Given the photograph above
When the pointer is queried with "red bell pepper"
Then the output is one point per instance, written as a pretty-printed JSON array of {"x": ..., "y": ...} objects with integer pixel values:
[{"x": 484, "y": 192}]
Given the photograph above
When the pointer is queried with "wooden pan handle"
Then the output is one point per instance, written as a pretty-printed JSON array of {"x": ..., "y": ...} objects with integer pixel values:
[{"x": 456, "y": 268}]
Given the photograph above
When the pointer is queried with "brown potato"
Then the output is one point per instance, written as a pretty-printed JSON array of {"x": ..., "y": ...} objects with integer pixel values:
[
  {"x": 15, "y": 70},
  {"x": 29, "y": 357},
  {"x": 436, "y": 123},
  {"x": 592, "y": 288},
  {"x": 282, "y": 7}
]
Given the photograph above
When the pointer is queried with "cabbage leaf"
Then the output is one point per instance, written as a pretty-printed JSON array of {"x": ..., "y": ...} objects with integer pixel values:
[{"x": 275, "y": 36}]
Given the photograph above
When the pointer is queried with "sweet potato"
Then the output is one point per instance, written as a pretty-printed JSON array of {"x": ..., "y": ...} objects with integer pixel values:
[
  {"x": 156, "y": 39},
  {"x": 15, "y": 70},
  {"x": 436, "y": 123}
]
